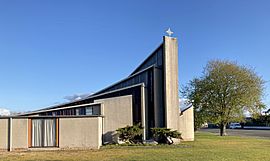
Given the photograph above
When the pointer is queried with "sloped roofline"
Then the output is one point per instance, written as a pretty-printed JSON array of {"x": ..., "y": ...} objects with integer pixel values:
[
  {"x": 145, "y": 60},
  {"x": 188, "y": 107},
  {"x": 134, "y": 73}
]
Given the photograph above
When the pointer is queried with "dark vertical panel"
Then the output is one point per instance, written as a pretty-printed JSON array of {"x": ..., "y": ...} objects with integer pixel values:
[
  {"x": 150, "y": 102},
  {"x": 158, "y": 98}
]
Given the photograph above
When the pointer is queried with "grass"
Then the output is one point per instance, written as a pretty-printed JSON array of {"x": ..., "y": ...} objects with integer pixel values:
[{"x": 206, "y": 147}]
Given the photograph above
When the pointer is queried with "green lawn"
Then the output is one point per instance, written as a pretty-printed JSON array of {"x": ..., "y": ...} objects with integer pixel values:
[{"x": 206, "y": 147}]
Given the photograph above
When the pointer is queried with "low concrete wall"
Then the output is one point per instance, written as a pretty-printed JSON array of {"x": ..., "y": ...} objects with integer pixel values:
[
  {"x": 186, "y": 124},
  {"x": 18, "y": 140},
  {"x": 4, "y": 134},
  {"x": 19, "y": 133},
  {"x": 117, "y": 112},
  {"x": 74, "y": 132},
  {"x": 80, "y": 132}
]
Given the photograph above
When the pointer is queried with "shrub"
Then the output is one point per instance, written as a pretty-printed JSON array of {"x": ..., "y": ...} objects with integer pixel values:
[
  {"x": 161, "y": 135},
  {"x": 131, "y": 134}
]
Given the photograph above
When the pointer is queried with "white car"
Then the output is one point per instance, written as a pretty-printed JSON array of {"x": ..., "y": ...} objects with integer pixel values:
[{"x": 235, "y": 126}]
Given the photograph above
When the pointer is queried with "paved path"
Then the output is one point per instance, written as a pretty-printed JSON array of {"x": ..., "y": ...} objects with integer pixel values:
[
  {"x": 257, "y": 127},
  {"x": 243, "y": 132}
]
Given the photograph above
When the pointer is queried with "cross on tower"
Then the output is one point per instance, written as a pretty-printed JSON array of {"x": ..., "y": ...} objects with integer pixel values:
[{"x": 169, "y": 32}]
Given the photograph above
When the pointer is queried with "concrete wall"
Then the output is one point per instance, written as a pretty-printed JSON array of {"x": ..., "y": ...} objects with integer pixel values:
[
  {"x": 77, "y": 132},
  {"x": 117, "y": 112},
  {"x": 83, "y": 132},
  {"x": 15, "y": 138},
  {"x": 19, "y": 133},
  {"x": 186, "y": 124},
  {"x": 4, "y": 134},
  {"x": 171, "y": 82}
]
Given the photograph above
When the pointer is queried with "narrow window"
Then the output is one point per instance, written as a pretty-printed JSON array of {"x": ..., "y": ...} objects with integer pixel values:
[
  {"x": 77, "y": 111},
  {"x": 89, "y": 110}
]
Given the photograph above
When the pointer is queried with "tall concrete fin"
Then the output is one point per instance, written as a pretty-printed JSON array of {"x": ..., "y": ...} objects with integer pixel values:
[{"x": 171, "y": 99}]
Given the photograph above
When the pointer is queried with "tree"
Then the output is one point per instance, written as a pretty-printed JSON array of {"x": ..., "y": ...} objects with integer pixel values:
[{"x": 224, "y": 92}]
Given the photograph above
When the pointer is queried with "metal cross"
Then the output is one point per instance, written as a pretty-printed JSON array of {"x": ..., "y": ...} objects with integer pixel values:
[{"x": 169, "y": 32}]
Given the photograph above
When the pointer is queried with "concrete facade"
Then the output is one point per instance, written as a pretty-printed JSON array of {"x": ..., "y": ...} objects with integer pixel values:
[
  {"x": 74, "y": 132},
  {"x": 148, "y": 96},
  {"x": 117, "y": 112},
  {"x": 171, "y": 82},
  {"x": 19, "y": 133},
  {"x": 4, "y": 134},
  {"x": 80, "y": 132},
  {"x": 14, "y": 134},
  {"x": 186, "y": 124}
]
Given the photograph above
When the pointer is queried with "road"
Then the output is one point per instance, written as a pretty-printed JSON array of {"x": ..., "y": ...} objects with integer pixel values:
[{"x": 243, "y": 132}]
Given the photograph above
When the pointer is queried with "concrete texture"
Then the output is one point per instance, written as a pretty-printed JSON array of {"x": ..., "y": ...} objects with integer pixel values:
[
  {"x": 186, "y": 124},
  {"x": 171, "y": 82},
  {"x": 4, "y": 134},
  {"x": 117, "y": 112},
  {"x": 80, "y": 132},
  {"x": 13, "y": 134},
  {"x": 143, "y": 111},
  {"x": 19, "y": 133}
]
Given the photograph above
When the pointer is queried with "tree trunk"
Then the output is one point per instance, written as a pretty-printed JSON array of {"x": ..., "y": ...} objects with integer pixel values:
[{"x": 223, "y": 129}]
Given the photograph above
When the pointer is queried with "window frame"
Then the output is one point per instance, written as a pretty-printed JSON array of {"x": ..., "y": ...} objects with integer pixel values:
[{"x": 30, "y": 133}]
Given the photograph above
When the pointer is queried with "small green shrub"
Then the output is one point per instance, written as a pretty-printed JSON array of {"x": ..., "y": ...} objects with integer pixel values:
[
  {"x": 161, "y": 134},
  {"x": 131, "y": 134}
]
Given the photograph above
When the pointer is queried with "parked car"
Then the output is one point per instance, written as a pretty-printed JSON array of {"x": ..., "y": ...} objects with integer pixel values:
[{"x": 235, "y": 126}]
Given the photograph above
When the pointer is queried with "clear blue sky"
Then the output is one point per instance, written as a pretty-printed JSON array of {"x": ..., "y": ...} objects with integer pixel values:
[{"x": 56, "y": 48}]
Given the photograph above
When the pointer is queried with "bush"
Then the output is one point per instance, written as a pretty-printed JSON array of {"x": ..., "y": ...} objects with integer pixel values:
[
  {"x": 131, "y": 134},
  {"x": 161, "y": 135}
]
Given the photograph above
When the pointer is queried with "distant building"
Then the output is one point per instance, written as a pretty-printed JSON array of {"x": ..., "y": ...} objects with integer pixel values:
[{"x": 149, "y": 95}]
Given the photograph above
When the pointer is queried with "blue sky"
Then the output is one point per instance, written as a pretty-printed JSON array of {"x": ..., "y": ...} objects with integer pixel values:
[{"x": 53, "y": 49}]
